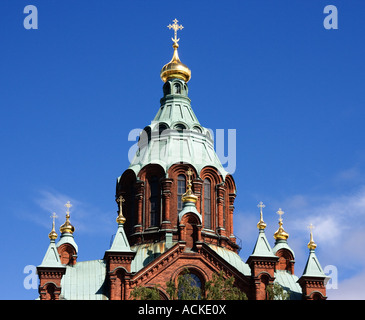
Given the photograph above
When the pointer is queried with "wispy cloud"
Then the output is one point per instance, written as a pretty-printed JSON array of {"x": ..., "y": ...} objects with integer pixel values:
[
  {"x": 339, "y": 221},
  {"x": 85, "y": 218}
]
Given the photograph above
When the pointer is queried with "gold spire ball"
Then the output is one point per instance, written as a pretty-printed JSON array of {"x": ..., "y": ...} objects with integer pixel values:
[
  {"x": 280, "y": 234},
  {"x": 189, "y": 196},
  {"x": 53, "y": 235},
  {"x": 261, "y": 225},
  {"x": 311, "y": 244},
  {"x": 175, "y": 68},
  {"x": 67, "y": 227},
  {"x": 120, "y": 219}
]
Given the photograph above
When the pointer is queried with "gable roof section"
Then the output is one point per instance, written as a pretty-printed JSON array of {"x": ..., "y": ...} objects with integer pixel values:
[
  {"x": 51, "y": 258},
  {"x": 262, "y": 247},
  {"x": 313, "y": 267},
  {"x": 84, "y": 281}
]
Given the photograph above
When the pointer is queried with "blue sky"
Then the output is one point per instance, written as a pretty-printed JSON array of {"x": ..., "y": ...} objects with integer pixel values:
[{"x": 72, "y": 90}]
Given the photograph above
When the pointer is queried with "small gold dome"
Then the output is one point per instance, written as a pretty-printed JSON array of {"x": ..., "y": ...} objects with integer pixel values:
[
  {"x": 121, "y": 219},
  {"x": 67, "y": 227},
  {"x": 261, "y": 225},
  {"x": 53, "y": 235},
  {"x": 175, "y": 68},
  {"x": 280, "y": 234},
  {"x": 311, "y": 244},
  {"x": 189, "y": 197}
]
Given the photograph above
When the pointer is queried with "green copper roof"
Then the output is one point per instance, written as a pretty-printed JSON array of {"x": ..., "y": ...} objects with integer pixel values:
[
  {"x": 67, "y": 238},
  {"x": 120, "y": 242},
  {"x": 313, "y": 267},
  {"x": 84, "y": 281},
  {"x": 51, "y": 258},
  {"x": 282, "y": 244},
  {"x": 289, "y": 283},
  {"x": 190, "y": 207},
  {"x": 146, "y": 253},
  {"x": 232, "y": 258},
  {"x": 262, "y": 246},
  {"x": 175, "y": 135}
]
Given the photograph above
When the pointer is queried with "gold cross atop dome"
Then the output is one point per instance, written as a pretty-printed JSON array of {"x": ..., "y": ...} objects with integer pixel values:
[
  {"x": 67, "y": 227},
  {"x": 53, "y": 235},
  {"x": 175, "y": 27},
  {"x": 311, "y": 244},
  {"x": 175, "y": 69},
  {"x": 280, "y": 213},
  {"x": 280, "y": 234},
  {"x": 261, "y": 224},
  {"x": 189, "y": 196},
  {"x": 120, "y": 219},
  {"x": 189, "y": 173},
  {"x": 54, "y": 216}
]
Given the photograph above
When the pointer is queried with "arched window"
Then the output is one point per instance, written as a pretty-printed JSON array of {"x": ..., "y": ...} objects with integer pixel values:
[
  {"x": 207, "y": 204},
  {"x": 181, "y": 189},
  {"x": 224, "y": 210},
  {"x": 177, "y": 88},
  {"x": 154, "y": 202},
  {"x": 50, "y": 292},
  {"x": 189, "y": 286}
]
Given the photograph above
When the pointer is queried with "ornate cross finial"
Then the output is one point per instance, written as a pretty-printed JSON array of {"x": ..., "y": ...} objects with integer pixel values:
[
  {"x": 120, "y": 201},
  {"x": 54, "y": 216},
  {"x": 120, "y": 219},
  {"x": 280, "y": 234},
  {"x": 261, "y": 224},
  {"x": 68, "y": 205},
  {"x": 311, "y": 244},
  {"x": 190, "y": 174},
  {"x": 67, "y": 226},
  {"x": 261, "y": 206},
  {"x": 53, "y": 235},
  {"x": 188, "y": 195},
  {"x": 175, "y": 27},
  {"x": 280, "y": 213}
]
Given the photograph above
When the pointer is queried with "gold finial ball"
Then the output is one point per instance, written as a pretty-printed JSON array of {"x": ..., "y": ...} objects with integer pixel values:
[
  {"x": 189, "y": 197},
  {"x": 261, "y": 225},
  {"x": 175, "y": 69},
  {"x": 67, "y": 227},
  {"x": 280, "y": 234},
  {"x": 311, "y": 245},
  {"x": 52, "y": 235},
  {"x": 121, "y": 219}
]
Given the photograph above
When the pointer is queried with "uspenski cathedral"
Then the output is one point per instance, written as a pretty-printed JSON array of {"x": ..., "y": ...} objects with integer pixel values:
[{"x": 175, "y": 212}]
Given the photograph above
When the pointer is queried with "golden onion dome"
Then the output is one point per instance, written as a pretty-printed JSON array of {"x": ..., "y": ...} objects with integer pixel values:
[
  {"x": 175, "y": 68},
  {"x": 261, "y": 225},
  {"x": 120, "y": 219},
  {"x": 189, "y": 196},
  {"x": 280, "y": 234},
  {"x": 67, "y": 227},
  {"x": 53, "y": 235},
  {"x": 311, "y": 244}
]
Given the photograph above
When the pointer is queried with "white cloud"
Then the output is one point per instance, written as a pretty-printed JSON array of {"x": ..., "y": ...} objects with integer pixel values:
[
  {"x": 339, "y": 222},
  {"x": 349, "y": 289},
  {"x": 84, "y": 217}
]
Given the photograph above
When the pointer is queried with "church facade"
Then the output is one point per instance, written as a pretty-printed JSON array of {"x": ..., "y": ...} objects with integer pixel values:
[{"x": 175, "y": 211}]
